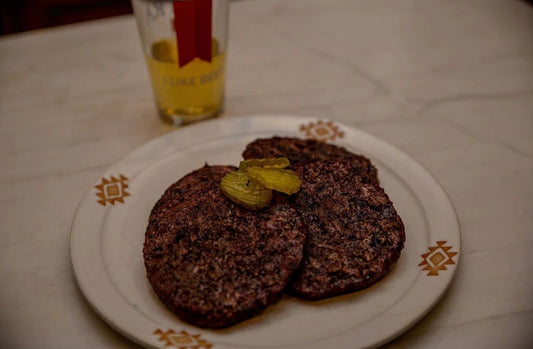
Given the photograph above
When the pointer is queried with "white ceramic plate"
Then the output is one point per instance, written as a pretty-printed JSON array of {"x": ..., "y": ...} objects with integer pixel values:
[{"x": 108, "y": 233}]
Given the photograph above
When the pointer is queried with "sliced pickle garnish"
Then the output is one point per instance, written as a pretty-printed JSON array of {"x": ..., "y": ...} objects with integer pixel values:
[
  {"x": 274, "y": 163},
  {"x": 239, "y": 187},
  {"x": 251, "y": 186},
  {"x": 283, "y": 180}
]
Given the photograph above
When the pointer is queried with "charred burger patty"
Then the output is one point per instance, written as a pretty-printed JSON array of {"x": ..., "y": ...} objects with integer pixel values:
[
  {"x": 214, "y": 263},
  {"x": 354, "y": 235}
]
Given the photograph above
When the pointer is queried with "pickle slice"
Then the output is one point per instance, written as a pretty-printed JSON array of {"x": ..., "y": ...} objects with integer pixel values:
[
  {"x": 239, "y": 187},
  {"x": 283, "y": 180},
  {"x": 274, "y": 163}
]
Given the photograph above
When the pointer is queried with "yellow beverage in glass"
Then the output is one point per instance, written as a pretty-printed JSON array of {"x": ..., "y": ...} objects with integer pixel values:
[{"x": 189, "y": 93}]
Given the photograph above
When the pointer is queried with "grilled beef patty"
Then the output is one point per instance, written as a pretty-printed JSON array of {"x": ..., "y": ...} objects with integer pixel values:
[
  {"x": 297, "y": 150},
  {"x": 354, "y": 235},
  {"x": 214, "y": 263}
]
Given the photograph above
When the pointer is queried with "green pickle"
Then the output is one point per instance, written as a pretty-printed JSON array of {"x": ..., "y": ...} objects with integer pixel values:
[
  {"x": 251, "y": 186},
  {"x": 279, "y": 179},
  {"x": 239, "y": 187},
  {"x": 267, "y": 163}
]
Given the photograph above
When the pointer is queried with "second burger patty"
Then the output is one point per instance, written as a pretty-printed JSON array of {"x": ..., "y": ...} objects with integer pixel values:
[
  {"x": 298, "y": 150},
  {"x": 354, "y": 235}
]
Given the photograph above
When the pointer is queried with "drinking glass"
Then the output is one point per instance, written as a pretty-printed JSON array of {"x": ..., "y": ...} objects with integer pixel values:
[{"x": 184, "y": 43}]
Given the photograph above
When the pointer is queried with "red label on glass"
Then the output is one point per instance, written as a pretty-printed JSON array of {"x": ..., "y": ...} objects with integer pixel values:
[{"x": 192, "y": 23}]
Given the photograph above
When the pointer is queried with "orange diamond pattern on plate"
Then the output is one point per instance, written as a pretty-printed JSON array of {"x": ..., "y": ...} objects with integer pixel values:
[
  {"x": 437, "y": 258},
  {"x": 112, "y": 190},
  {"x": 322, "y": 131},
  {"x": 181, "y": 340}
]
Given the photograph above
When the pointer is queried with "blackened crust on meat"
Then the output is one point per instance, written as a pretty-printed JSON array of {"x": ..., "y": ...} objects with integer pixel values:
[
  {"x": 297, "y": 150},
  {"x": 214, "y": 263},
  {"x": 354, "y": 235}
]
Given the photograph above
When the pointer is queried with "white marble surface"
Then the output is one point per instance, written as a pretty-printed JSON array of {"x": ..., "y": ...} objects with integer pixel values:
[{"x": 449, "y": 82}]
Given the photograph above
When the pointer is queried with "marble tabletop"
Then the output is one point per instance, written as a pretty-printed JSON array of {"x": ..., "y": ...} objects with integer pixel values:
[{"x": 448, "y": 82}]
